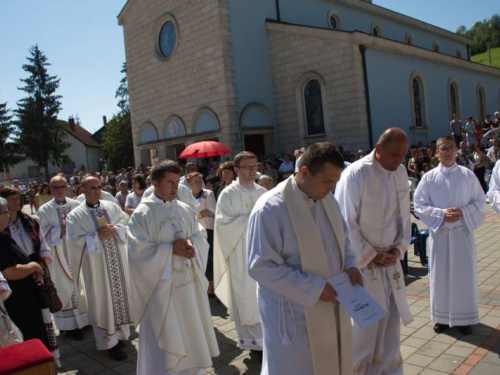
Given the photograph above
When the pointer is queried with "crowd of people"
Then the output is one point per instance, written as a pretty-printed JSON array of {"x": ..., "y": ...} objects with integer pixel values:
[{"x": 153, "y": 246}]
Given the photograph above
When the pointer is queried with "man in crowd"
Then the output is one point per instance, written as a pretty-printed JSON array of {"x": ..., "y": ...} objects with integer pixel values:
[
  {"x": 296, "y": 241},
  {"x": 168, "y": 255},
  {"x": 374, "y": 199},
  {"x": 493, "y": 153},
  {"x": 286, "y": 168},
  {"x": 456, "y": 129},
  {"x": 52, "y": 218},
  {"x": 98, "y": 241},
  {"x": 266, "y": 182},
  {"x": 233, "y": 285},
  {"x": 451, "y": 202},
  {"x": 190, "y": 168}
]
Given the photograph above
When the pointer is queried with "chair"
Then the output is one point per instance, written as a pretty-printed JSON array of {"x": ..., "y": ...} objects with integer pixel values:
[
  {"x": 27, "y": 358},
  {"x": 404, "y": 264},
  {"x": 424, "y": 234}
]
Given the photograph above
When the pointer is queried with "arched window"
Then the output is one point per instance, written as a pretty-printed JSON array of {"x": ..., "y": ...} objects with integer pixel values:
[
  {"x": 437, "y": 47},
  {"x": 376, "y": 30},
  {"x": 481, "y": 102},
  {"x": 334, "y": 20},
  {"x": 313, "y": 100},
  {"x": 453, "y": 92},
  {"x": 409, "y": 39},
  {"x": 417, "y": 89}
]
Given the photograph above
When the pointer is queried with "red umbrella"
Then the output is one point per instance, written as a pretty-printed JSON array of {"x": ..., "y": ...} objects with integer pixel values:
[{"x": 204, "y": 149}]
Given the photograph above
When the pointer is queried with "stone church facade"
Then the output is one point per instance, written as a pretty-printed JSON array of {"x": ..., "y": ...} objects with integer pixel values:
[{"x": 272, "y": 76}]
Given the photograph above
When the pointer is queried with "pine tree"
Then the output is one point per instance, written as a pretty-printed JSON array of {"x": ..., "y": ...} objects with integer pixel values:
[
  {"x": 41, "y": 137},
  {"x": 118, "y": 143},
  {"x": 8, "y": 149}
]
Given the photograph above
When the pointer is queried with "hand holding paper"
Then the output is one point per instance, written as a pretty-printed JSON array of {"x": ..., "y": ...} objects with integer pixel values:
[{"x": 363, "y": 309}]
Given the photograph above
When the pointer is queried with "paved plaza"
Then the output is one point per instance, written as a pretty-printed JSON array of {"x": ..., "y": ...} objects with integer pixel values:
[{"x": 424, "y": 351}]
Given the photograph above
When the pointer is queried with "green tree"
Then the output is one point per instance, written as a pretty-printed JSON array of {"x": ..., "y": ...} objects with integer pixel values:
[
  {"x": 118, "y": 143},
  {"x": 40, "y": 136},
  {"x": 484, "y": 34},
  {"x": 8, "y": 149}
]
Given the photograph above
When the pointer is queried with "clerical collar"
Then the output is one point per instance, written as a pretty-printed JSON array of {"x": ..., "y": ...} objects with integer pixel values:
[
  {"x": 93, "y": 205},
  {"x": 445, "y": 169},
  {"x": 61, "y": 204},
  {"x": 309, "y": 201},
  {"x": 161, "y": 201}
]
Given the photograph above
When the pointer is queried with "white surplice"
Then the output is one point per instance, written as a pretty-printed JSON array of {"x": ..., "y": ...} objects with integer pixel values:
[
  {"x": 452, "y": 260},
  {"x": 375, "y": 203},
  {"x": 169, "y": 292},
  {"x": 494, "y": 190},
  {"x": 105, "y": 196},
  {"x": 183, "y": 194},
  {"x": 103, "y": 265},
  {"x": 233, "y": 286},
  {"x": 285, "y": 291},
  {"x": 51, "y": 217}
]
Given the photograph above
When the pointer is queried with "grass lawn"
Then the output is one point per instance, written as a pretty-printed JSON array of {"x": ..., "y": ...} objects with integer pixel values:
[{"x": 483, "y": 58}]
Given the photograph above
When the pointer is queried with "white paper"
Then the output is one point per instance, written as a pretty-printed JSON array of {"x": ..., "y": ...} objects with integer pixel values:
[
  {"x": 360, "y": 305},
  {"x": 92, "y": 241}
]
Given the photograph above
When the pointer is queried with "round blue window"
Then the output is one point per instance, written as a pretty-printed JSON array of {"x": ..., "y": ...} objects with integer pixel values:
[{"x": 167, "y": 39}]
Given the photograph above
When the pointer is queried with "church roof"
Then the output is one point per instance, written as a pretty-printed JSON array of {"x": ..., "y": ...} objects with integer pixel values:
[{"x": 81, "y": 134}]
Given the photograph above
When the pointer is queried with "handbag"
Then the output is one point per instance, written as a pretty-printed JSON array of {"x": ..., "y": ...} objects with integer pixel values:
[
  {"x": 54, "y": 302},
  {"x": 9, "y": 333}
]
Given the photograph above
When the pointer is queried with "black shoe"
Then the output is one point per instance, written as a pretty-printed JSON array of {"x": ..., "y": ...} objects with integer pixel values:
[
  {"x": 440, "y": 328},
  {"x": 257, "y": 354},
  {"x": 75, "y": 334},
  {"x": 121, "y": 344},
  {"x": 117, "y": 354},
  {"x": 465, "y": 330}
]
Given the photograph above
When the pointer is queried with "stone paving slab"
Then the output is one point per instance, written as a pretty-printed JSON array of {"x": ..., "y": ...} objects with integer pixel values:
[{"x": 424, "y": 352}]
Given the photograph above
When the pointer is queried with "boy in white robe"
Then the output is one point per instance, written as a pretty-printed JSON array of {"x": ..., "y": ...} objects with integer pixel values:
[
  {"x": 97, "y": 240},
  {"x": 168, "y": 255},
  {"x": 233, "y": 286},
  {"x": 374, "y": 198},
  {"x": 450, "y": 201},
  {"x": 295, "y": 242},
  {"x": 52, "y": 219}
]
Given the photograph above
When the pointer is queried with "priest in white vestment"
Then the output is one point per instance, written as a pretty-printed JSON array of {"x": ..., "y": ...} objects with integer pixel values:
[
  {"x": 450, "y": 201},
  {"x": 374, "y": 198},
  {"x": 183, "y": 194},
  {"x": 296, "y": 241},
  {"x": 168, "y": 254},
  {"x": 97, "y": 239},
  {"x": 233, "y": 285},
  {"x": 52, "y": 219},
  {"x": 494, "y": 190}
]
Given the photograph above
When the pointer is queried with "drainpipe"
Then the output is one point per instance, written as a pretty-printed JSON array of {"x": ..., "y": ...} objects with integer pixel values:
[{"x": 362, "y": 49}]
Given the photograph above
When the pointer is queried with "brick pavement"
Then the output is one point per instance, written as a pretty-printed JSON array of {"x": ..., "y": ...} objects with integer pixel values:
[{"x": 424, "y": 351}]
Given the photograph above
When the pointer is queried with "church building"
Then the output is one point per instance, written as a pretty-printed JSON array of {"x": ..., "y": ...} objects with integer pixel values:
[{"x": 270, "y": 76}]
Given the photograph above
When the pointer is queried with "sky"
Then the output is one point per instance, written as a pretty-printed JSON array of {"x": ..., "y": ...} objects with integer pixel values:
[{"x": 84, "y": 43}]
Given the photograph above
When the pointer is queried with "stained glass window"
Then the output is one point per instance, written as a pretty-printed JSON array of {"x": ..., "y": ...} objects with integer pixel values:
[
  {"x": 167, "y": 39},
  {"x": 314, "y": 108},
  {"x": 417, "y": 103}
]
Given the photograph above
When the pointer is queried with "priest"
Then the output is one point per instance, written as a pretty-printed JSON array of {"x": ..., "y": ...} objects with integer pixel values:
[
  {"x": 451, "y": 202},
  {"x": 375, "y": 201},
  {"x": 104, "y": 196},
  {"x": 52, "y": 219},
  {"x": 233, "y": 286},
  {"x": 494, "y": 190},
  {"x": 168, "y": 254},
  {"x": 296, "y": 241},
  {"x": 97, "y": 240}
]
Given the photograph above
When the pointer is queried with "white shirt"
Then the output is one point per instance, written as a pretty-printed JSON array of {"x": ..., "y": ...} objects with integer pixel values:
[{"x": 133, "y": 200}]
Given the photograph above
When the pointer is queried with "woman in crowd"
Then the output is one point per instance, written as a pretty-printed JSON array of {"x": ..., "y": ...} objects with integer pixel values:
[
  {"x": 226, "y": 175},
  {"x": 134, "y": 198},
  {"x": 479, "y": 160},
  {"x": 43, "y": 195},
  {"x": 206, "y": 216},
  {"x": 22, "y": 248},
  {"x": 478, "y": 132},
  {"x": 470, "y": 133},
  {"x": 121, "y": 196},
  {"x": 271, "y": 172}
]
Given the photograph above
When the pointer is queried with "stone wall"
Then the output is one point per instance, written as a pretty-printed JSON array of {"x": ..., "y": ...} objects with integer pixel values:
[
  {"x": 198, "y": 74},
  {"x": 338, "y": 63}
]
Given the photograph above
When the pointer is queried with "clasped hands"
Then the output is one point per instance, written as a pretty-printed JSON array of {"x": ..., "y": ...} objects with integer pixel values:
[
  {"x": 453, "y": 214},
  {"x": 386, "y": 259},
  {"x": 106, "y": 232},
  {"x": 184, "y": 248},
  {"x": 329, "y": 293}
]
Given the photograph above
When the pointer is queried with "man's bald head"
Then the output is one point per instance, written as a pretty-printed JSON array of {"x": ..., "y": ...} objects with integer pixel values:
[
  {"x": 58, "y": 178},
  {"x": 87, "y": 179},
  {"x": 392, "y": 135}
]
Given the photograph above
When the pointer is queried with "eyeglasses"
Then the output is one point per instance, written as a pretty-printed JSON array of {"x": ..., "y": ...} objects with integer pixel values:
[
  {"x": 59, "y": 187},
  {"x": 447, "y": 149},
  {"x": 249, "y": 167}
]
